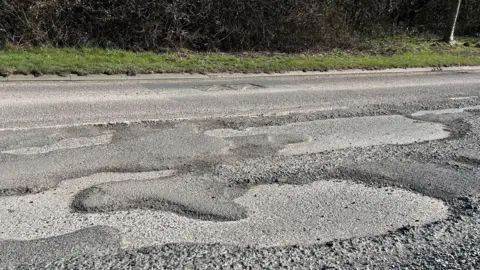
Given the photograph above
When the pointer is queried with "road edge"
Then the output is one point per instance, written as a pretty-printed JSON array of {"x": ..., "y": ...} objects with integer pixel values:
[{"x": 187, "y": 76}]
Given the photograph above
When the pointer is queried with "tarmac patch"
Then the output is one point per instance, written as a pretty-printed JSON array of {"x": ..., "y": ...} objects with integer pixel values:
[
  {"x": 228, "y": 87},
  {"x": 98, "y": 240},
  {"x": 469, "y": 156}
]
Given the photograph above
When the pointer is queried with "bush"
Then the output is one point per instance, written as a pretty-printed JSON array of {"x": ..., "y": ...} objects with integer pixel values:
[{"x": 227, "y": 25}]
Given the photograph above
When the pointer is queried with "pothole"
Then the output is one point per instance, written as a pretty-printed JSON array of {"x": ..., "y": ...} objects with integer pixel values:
[
  {"x": 277, "y": 215},
  {"x": 324, "y": 135},
  {"x": 431, "y": 180},
  {"x": 130, "y": 150},
  {"x": 68, "y": 143},
  {"x": 195, "y": 197}
]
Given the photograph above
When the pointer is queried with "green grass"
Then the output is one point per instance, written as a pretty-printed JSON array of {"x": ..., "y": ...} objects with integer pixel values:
[{"x": 398, "y": 52}]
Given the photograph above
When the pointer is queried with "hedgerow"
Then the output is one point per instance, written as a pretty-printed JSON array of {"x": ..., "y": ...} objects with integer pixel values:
[{"x": 223, "y": 25}]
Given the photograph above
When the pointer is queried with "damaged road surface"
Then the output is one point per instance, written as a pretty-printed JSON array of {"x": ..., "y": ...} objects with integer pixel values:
[{"x": 343, "y": 172}]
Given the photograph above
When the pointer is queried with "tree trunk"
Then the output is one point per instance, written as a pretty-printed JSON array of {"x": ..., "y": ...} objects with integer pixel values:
[{"x": 452, "y": 20}]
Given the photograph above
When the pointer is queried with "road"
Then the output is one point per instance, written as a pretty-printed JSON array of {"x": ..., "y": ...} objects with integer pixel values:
[{"x": 340, "y": 171}]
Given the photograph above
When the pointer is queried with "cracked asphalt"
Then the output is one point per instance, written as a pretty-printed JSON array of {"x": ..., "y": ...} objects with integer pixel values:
[{"x": 308, "y": 172}]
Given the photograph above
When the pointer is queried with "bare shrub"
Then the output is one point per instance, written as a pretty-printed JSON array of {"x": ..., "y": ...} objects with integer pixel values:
[{"x": 226, "y": 25}]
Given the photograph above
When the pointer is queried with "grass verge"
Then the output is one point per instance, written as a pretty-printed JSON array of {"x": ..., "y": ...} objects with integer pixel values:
[{"x": 396, "y": 52}]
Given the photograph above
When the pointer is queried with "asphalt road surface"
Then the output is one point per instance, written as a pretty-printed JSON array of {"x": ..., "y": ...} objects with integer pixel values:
[{"x": 364, "y": 171}]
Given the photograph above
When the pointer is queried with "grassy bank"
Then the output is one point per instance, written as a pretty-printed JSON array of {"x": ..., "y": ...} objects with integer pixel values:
[{"x": 378, "y": 54}]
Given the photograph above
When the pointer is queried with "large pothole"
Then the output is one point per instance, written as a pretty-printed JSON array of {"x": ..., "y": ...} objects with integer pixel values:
[
  {"x": 277, "y": 215},
  {"x": 36, "y": 164}
]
